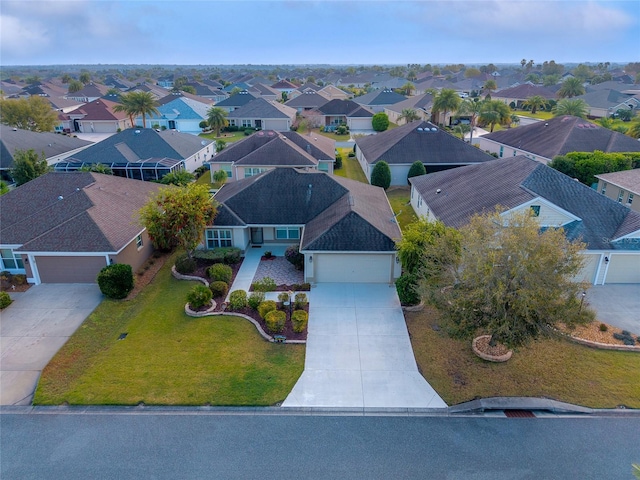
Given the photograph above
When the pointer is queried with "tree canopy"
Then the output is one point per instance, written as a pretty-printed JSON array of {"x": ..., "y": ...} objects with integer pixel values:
[
  {"x": 137, "y": 103},
  {"x": 585, "y": 165},
  {"x": 416, "y": 169},
  {"x": 446, "y": 101},
  {"x": 381, "y": 175},
  {"x": 571, "y": 87},
  {"x": 408, "y": 115},
  {"x": 535, "y": 102},
  {"x": 177, "y": 216},
  {"x": 494, "y": 112},
  {"x": 27, "y": 165},
  {"x": 33, "y": 113},
  {"x": 571, "y": 106},
  {"x": 217, "y": 118}
]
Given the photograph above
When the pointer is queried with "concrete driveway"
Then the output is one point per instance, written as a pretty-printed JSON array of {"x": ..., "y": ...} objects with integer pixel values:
[
  {"x": 358, "y": 352},
  {"x": 617, "y": 305},
  {"x": 32, "y": 330}
]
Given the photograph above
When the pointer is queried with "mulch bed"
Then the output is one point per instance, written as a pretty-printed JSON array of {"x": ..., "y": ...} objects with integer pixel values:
[
  {"x": 495, "y": 350},
  {"x": 288, "y": 327},
  {"x": 8, "y": 286}
]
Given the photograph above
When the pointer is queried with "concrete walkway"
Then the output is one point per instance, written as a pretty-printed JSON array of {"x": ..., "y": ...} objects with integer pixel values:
[
  {"x": 358, "y": 352},
  {"x": 33, "y": 328},
  {"x": 249, "y": 266},
  {"x": 617, "y": 305}
]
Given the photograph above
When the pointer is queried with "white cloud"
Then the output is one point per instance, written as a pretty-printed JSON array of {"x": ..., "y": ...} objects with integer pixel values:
[{"x": 22, "y": 38}]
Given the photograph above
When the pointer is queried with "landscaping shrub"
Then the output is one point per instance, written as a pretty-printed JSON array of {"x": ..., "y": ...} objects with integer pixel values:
[
  {"x": 381, "y": 175},
  {"x": 407, "y": 287},
  {"x": 255, "y": 299},
  {"x": 266, "y": 307},
  {"x": 275, "y": 320},
  {"x": 219, "y": 288},
  {"x": 300, "y": 300},
  {"x": 219, "y": 255},
  {"x": 380, "y": 122},
  {"x": 338, "y": 164},
  {"x": 6, "y": 275},
  {"x": 299, "y": 320},
  {"x": 238, "y": 299},
  {"x": 626, "y": 337},
  {"x": 352, "y": 154},
  {"x": 199, "y": 296},
  {"x": 283, "y": 297},
  {"x": 416, "y": 169},
  {"x": 5, "y": 300},
  {"x": 220, "y": 272},
  {"x": 267, "y": 284},
  {"x": 342, "y": 130},
  {"x": 19, "y": 279},
  {"x": 185, "y": 265},
  {"x": 603, "y": 327},
  {"x": 116, "y": 281},
  {"x": 248, "y": 131},
  {"x": 232, "y": 256},
  {"x": 293, "y": 255}
]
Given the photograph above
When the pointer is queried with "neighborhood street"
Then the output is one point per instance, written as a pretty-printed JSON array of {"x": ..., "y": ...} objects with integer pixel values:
[{"x": 119, "y": 443}]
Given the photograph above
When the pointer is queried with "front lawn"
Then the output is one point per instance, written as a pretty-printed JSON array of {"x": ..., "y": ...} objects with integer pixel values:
[
  {"x": 551, "y": 368},
  {"x": 399, "y": 198},
  {"x": 540, "y": 115},
  {"x": 228, "y": 137},
  {"x": 168, "y": 358},
  {"x": 350, "y": 167}
]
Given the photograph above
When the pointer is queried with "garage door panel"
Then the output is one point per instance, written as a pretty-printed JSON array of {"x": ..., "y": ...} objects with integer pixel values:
[
  {"x": 352, "y": 268},
  {"x": 69, "y": 269},
  {"x": 623, "y": 269}
]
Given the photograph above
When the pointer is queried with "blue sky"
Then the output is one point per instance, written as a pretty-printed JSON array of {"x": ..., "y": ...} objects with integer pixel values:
[{"x": 316, "y": 32}]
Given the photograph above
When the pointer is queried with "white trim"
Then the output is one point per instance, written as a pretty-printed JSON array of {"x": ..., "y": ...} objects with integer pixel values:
[
  {"x": 69, "y": 254},
  {"x": 610, "y": 254},
  {"x": 549, "y": 204},
  {"x": 628, "y": 235}
]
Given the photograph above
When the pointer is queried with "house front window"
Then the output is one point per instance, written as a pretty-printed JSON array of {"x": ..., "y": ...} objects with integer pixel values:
[
  {"x": 323, "y": 166},
  {"x": 535, "y": 210},
  {"x": 287, "y": 233},
  {"x": 247, "y": 123},
  {"x": 139, "y": 242},
  {"x": 10, "y": 260},
  {"x": 630, "y": 199},
  {"x": 501, "y": 151},
  {"x": 218, "y": 238},
  {"x": 620, "y": 195},
  {"x": 250, "y": 171},
  {"x": 604, "y": 188},
  {"x": 232, "y": 122}
]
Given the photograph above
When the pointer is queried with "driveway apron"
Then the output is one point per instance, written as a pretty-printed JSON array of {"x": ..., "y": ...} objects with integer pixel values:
[
  {"x": 33, "y": 328},
  {"x": 359, "y": 354}
]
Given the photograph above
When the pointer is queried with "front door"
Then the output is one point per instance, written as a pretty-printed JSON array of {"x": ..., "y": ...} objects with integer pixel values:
[
  {"x": 259, "y": 124},
  {"x": 172, "y": 125},
  {"x": 256, "y": 236}
]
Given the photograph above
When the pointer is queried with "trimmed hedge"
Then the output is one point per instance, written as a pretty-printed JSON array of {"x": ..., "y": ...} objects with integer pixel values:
[
  {"x": 5, "y": 300},
  {"x": 407, "y": 287},
  {"x": 220, "y": 272},
  {"x": 299, "y": 320},
  {"x": 219, "y": 289},
  {"x": 255, "y": 299},
  {"x": 275, "y": 321},
  {"x": 185, "y": 265},
  {"x": 238, "y": 299},
  {"x": 266, "y": 307},
  {"x": 116, "y": 281},
  {"x": 228, "y": 255}
]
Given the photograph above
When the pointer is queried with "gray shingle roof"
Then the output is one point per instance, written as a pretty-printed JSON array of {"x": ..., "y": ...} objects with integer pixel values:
[
  {"x": 261, "y": 108},
  {"x": 423, "y": 102},
  {"x": 627, "y": 179},
  {"x": 339, "y": 107},
  {"x": 237, "y": 100},
  {"x": 524, "y": 91},
  {"x": 307, "y": 100},
  {"x": 407, "y": 144},
  {"x": 561, "y": 135},
  {"x": 74, "y": 212},
  {"x": 509, "y": 182},
  {"x": 380, "y": 97}
]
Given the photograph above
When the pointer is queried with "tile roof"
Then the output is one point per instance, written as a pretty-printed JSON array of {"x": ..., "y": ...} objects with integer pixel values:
[
  {"x": 262, "y": 108},
  {"x": 627, "y": 179},
  {"x": 561, "y": 135},
  {"x": 339, "y": 214},
  {"x": 74, "y": 212},
  {"x": 50, "y": 143},
  {"x": 406, "y": 144},
  {"x": 455, "y": 195}
]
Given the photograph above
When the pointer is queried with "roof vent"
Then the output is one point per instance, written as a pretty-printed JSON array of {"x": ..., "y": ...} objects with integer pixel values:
[
  {"x": 308, "y": 148},
  {"x": 137, "y": 132},
  {"x": 434, "y": 129},
  {"x": 60, "y": 197},
  {"x": 438, "y": 191},
  {"x": 546, "y": 124},
  {"x": 420, "y": 129}
]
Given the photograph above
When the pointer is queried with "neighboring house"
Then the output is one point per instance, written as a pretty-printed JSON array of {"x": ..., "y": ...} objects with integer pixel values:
[
  {"x": 180, "y": 111},
  {"x": 119, "y": 83},
  {"x": 434, "y": 83},
  {"x": 98, "y": 117},
  {"x": 65, "y": 227},
  {"x": 420, "y": 103},
  {"x": 521, "y": 93},
  {"x": 265, "y": 150},
  {"x": 610, "y": 231},
  {"x": 264, "y": 115},
  {"x": 207, "y": 91},
  {"x": 623, "y": 187},
  {"x": 416, "y": 141},
  {"x": 346, "y": 229},
  {"x": 308, "y": 100},
  {"x": 236, "y": 101},
  {"x": 355, "y": 116},
  {"x": 166, "y": 82},
  {"x": 143, "y": 154},
  {"x": 333, "y": 93},
  {"x": 156, "y": 91},
  {"x": 284, "y": 86},
  {"x": 266, "y": 92},
  {"x": 543, "y": 141},
  {"x": 89, "y": 93},
  {"x": 53, "y": 146},
  {"x": 605, "y": 103},
  {"x": 378, "y": 100}
]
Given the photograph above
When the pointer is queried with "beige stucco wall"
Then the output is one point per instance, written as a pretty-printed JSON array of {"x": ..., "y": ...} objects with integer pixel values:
[{"x": 133, "y": 256}]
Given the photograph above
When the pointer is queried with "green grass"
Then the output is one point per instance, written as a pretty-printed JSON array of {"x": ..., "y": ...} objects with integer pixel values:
[
  {"x": 539, "y": 115},
  {"x": 552, "y": 368},
  {"x": 399, "y": 200},
  {"x": 333, "y": 136},
  {"x": 350, "y": 167},
  {"x": 167, "y": 358},
  {"x": 228, "y": 137}
]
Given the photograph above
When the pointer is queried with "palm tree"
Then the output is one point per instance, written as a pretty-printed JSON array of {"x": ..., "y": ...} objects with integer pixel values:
[
  {"x": 494, "y": 112},
  {"x": 571, "y": 106},
  {"x": 446, "y": 101},
  {"x": 408, "y": 115},
  {"x": 144, "y": 104},
  {"x": 535, "y": 102},
  {"x": 126, "y": 106},
  {"x": 490, "y": 86},
  {"x": 634, "y": 128},
  {"x": 407, "y": 88},
  {"x": 471, "y": 107},
  {"x": 217, "y": 118},
  {"x": 571, "y": 87},
  {"x": 514, "y": 119}
]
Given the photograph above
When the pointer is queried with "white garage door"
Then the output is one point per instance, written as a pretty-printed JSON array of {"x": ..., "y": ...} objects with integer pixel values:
[
  {"x": 588, "y": 272},
  {"x": 623, "y": 269},
  {"x": 352, "y": 268}
]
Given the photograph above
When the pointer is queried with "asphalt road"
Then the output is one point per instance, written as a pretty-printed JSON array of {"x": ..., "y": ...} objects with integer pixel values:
[{"x": 150, "y": 446}]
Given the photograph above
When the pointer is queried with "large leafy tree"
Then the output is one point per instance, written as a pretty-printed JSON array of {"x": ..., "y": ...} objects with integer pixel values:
[
  {"x": 408, "y": 115},
  {"x": 571, "y": 87},
  {"x": 586, "y": 165},
  {"x": 471, "y": 107},
  {"x": 535, "y": 102},
  {"x": 447, "y": 100},
  {"x": 512, "y": 280},
  {"x": 33, "y": 113},
  {"x": 217, "y": 118},
  {"x": 571, "y": 106},
  {"x": 494, "y": 112},
  {"x": 177, "y": 216},
  {"x": 85, "y": 78},
  {"x": 27, "y": 165},
  {"x": 489, "y": 86}
]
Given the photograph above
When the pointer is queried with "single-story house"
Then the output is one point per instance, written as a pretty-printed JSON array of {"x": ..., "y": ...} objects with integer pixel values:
[
  {"x": 415, "y": 141},
  {"x": 346, "y": 229},
  {"x": 264, "y": 115},
  {"x": 143, "y": 154},
  {"x": 65, "y": 227},
  {"x": 377, "y": 100},
  {"x": 605, "y": 103},
  {"x": 355, "y": 116},
  {"x": 54, "y": 146},
  {"x": 98, "y": 117},
  {"x": 623, "y": 187},
  {"x": 420, "y": 103},
  {"x": 265, "y": 150},
  {"x": 179, "y": 111},
  {"x": 610, "y": 231},
  {"x": 236, "y": 101},
  {"x": 543, "y": 141},
  {"x": 333, "y": 93},
  {"x": 265, "y": 91},
  {"x": 89, "y": 93},
  {"x": 308, "y": 100},
  {"x": 284, "y": 86},
  {"x": 521, "y": 93},
  {"x": 207, "y": 91}
]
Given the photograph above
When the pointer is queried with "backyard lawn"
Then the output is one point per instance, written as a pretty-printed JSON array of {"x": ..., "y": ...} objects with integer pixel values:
[
  {"x": 168, "y": 358},
  {"x": 350, "y": 167},
  {"x": 228, "y": 137},
  {"x": 551, "y": 368},
  {"x": 399, "y": 200}
]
